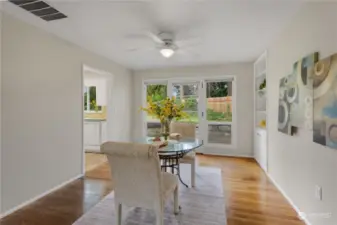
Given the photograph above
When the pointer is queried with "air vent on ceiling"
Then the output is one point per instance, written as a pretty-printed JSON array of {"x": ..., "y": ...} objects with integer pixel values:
[{"x": 40, "y": 9}]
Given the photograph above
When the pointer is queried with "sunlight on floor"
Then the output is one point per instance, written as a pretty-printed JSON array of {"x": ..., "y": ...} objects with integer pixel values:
[{"x": 93, "y": 160}]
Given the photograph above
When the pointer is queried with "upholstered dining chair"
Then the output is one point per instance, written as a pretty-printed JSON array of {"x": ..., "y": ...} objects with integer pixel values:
[
  {"x": 138, "y": 179},
  {"x": 186, "y": 130}
]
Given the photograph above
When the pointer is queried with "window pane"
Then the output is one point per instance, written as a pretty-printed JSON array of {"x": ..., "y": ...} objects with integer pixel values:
[
  {"x": 155, "y": 92},
  {"x": 219, "y": 101},
  {"x": 85, "y": 98},
  {"x": 220, "y": 134},
  {"x": 92, "y": 98},
  {"x": 90, "y": 104},
  {"x": 188, "y": 94},
  {"x": 193, "y": 117},
  {"x": 153, "y": 129}
]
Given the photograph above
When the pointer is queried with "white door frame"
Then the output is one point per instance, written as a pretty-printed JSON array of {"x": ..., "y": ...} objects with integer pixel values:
[
  {"x": 203, "y": 124},
  {"x": 233, "y": 124}
]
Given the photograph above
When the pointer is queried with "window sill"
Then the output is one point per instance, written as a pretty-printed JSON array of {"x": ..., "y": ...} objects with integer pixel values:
[{"x": 92, "y": 112}]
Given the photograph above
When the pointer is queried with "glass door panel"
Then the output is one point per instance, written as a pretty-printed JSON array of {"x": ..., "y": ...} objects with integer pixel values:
[
  {"x": 219, "y": 111},
  {"x": 188, "y": 93},
  {"x": 219, "y": 134},
  {"x": 155, "y": 92}
]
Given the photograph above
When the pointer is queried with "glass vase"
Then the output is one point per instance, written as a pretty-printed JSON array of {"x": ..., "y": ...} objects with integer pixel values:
[{"x": 165, "y": 129}]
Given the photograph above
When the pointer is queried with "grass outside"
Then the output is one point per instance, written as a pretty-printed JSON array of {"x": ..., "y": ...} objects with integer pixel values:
[{"x": 193, "y": 117}]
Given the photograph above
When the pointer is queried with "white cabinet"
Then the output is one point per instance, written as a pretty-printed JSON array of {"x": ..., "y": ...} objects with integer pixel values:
[
  {"x": 94, "y": 134},
  {"x": 260, "y": 147},
  {"x": 104, "y": 136},
  {"x": 91, "y": 133}
]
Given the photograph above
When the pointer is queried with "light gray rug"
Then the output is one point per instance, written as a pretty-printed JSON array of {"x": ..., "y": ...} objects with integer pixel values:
[{"x": 203, "y": 205}]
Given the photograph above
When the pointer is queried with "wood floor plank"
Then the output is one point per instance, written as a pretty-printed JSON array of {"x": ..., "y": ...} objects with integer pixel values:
[{"x": 251, "y": 199}]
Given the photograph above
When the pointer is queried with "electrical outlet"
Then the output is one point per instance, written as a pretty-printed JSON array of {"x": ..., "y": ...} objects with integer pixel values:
[{"x": 318, "y": 193}]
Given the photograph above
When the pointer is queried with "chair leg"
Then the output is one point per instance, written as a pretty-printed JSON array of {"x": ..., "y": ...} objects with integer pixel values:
[
  {"x": 118, "y": 208},
  {"x": 193, "y": 165},
  {"x": 159, "y": 217},
  {"x": 176, "y": 200}
]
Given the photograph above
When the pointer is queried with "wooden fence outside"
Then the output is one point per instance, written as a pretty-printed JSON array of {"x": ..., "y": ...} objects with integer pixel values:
[{"x": 220, "y": 104}]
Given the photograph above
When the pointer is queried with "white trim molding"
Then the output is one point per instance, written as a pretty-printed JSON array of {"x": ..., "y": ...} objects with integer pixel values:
[{"x": 8, "y": 212}]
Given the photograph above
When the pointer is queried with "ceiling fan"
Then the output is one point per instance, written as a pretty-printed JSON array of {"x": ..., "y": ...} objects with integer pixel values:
[{"x": 166, "y": 43}]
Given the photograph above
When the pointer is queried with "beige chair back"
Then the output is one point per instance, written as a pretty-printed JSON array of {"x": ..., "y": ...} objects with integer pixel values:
[
  {"x": 186, "y": 130},
  {"x": 136, "y": 173}
]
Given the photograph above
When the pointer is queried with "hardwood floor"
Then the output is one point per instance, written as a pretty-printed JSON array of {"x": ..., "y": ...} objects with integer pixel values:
[
  {"x": 251, "y": 199},
  {"x": 92, "y": 160}
]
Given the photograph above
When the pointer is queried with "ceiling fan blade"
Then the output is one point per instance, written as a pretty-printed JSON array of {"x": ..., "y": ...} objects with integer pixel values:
[
  {"x": 189, "y": 42},
  {"x": 154, "y": 37},
  {"x": 135, "y": 49},
  {"x": 132, "y": 49},
  {"x": 145, "y": 34}
]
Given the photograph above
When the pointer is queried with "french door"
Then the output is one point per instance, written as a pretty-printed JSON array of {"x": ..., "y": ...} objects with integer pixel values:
[
  {"x": 210, "y": 104},
  {"x": 217, "y": 129}
]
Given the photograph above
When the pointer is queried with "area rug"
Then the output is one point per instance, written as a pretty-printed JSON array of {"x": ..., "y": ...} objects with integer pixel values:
[{"x": 202, "y": 205}]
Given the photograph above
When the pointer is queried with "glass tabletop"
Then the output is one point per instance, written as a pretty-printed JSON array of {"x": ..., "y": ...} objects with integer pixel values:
[{"x": 184, "y": 145}]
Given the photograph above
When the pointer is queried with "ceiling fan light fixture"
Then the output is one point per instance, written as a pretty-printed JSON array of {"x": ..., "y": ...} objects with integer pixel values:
[{"x": 166, "y": 52}]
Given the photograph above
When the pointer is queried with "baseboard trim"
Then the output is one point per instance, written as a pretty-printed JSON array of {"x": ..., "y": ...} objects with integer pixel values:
[
  {"x": 8, "y": 212},
  {"x": 225, "y": 154},
  {"x": 290, "y": 201}
]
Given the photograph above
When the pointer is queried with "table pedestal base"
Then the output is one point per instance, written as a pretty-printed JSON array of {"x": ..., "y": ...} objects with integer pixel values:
[{"x": 172, "y": 161}]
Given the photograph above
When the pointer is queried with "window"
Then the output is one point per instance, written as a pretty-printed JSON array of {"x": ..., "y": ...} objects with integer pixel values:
[
  {"x": 188, "y": 93},
  {"x": 219, "y": 101},
  {"x": 90, "y": 100}
]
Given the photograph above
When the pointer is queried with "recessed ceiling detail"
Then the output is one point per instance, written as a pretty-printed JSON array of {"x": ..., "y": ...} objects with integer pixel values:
[{"x": 39, "y": 9}]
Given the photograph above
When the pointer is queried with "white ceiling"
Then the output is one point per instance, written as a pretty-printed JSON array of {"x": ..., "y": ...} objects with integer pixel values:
[{"x": 227, "y": 31}]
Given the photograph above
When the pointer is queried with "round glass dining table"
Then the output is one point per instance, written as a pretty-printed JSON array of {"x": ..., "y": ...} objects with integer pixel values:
[{"x": 171, "y": 154}]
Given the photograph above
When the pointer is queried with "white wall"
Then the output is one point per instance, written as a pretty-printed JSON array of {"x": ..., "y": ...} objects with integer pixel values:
[
  {"x": 296, "y": 163},
  {"x": 42, "y": 107},
  {"x": 244, "y": 81},
  {"x": 0, "y": 106}
]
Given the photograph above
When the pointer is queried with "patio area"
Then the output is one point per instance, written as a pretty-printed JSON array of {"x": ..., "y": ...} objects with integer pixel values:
[{"x": 219, "y": 134}]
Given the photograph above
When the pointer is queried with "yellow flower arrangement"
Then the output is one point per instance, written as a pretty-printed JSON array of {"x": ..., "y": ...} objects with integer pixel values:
[{"x": 165, "y": 110}]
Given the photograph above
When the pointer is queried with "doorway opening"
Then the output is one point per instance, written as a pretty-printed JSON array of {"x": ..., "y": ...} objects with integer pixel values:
[{"x": 96, "y": 119}]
